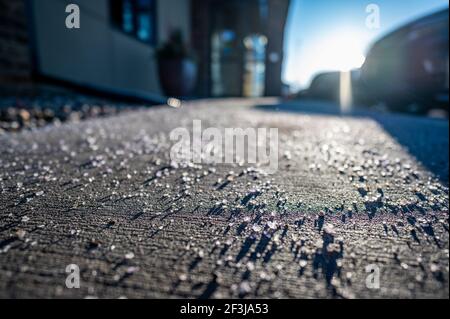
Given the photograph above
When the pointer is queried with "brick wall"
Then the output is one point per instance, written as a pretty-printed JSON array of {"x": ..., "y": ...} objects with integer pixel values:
[{"x": 15, "y": 59}]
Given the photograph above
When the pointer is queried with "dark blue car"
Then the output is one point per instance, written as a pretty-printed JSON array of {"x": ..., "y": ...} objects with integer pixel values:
[{"x": 408, "y": 69}]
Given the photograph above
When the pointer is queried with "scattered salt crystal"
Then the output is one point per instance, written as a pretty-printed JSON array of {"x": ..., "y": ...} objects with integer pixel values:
[
  {"x": 21, "y": 234},
  {"x": 183, "y": 277},
  {"x": 132, "y": 270},
  {"x": 257, "y": 228},
  {"x": 244, "y": 288},
  {"x": 272, "y": 225},
  {"x": 129, "y": 255}
]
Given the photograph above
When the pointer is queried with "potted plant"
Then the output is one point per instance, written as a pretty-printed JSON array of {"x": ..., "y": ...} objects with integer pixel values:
[{"x": 176, "y": 66}]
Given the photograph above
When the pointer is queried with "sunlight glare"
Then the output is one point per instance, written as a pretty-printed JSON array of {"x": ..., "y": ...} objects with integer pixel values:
[
  {"x": 345, "y": 92},
  {"x": 343, "y": 52}
]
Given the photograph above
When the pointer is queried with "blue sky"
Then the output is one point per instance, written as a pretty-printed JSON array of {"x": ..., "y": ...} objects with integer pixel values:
[{"x": 326, "y": 35}]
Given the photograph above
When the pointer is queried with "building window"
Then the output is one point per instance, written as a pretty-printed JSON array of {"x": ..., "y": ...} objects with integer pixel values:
[
  {"x": 254, "y": 65},
  {"x": 136, "y": 18}
]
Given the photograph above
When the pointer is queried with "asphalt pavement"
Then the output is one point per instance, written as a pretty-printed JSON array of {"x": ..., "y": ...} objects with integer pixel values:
[{"x": 355, "y": 196}]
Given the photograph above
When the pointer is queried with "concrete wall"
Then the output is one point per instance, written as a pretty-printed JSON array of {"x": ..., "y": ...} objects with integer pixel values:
[
  {"x": 200, "y": 38},
  {"x": 278, "y": 13},
  {"x": 174, "y": 14},
  {"x": 15, "y": 57},
  {"x": 98, "y": 54}
]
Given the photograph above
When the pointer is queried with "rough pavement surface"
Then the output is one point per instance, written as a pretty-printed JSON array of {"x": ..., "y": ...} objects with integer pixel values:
[
  {"x": 30, "y": 109},
  {"x": 103, "y": 194}
]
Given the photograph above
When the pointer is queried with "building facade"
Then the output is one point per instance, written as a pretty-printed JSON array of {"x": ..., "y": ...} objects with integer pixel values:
[
  {"x": 242, "y": 43},
  {"x": 238, "y": 44},
  {"x": 15, "y": 54}
]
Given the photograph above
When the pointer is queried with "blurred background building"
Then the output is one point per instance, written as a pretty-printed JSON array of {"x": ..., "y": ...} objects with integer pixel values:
[
  {"x": 245, "y": 47},
  {"x": 241, "y": 48},
  {"x": 238, "y": 44},
  {"x": 15, "y": 53}
]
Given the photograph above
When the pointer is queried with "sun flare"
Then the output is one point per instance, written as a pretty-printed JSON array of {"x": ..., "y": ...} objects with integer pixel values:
[{"x": 340, "y": 51}]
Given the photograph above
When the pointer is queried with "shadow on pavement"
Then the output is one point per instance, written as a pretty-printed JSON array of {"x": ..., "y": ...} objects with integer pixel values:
[{"x": 427, "y": 139}]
